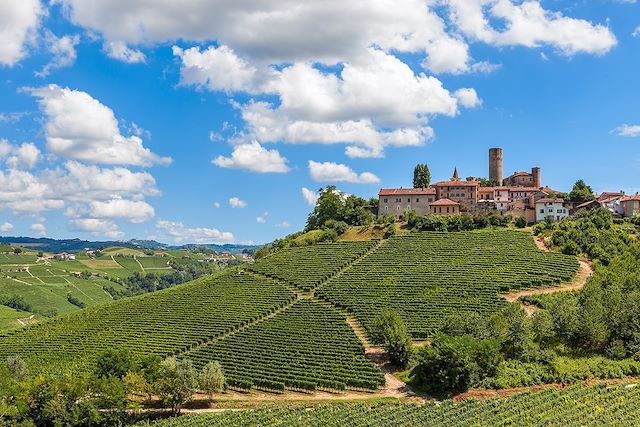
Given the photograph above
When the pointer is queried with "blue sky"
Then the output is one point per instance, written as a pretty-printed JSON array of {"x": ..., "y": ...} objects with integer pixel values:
[{"x": 203, "y": 121}]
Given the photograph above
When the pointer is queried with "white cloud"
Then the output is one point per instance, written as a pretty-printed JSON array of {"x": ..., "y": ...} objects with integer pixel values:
[
  {"x": 253, "y": 157},
  {"x": 26, "y": 155},
  {"x": 528, "y": 24},
  {"x": 216, "y": 68},
  {"x": 135, "y": 211},
  {"x": 216, "y": 205},
  {"x": 181, "y": 234},
  {"x": 63, "y": 50},
  {"x": 237, "y": 203},
  {"x": 627, "y": 130},
  {"x": 79, "y": 127},
  {"x": 39, "y": 229},
  {"x": 468, "y": 98},
  {"x": 283, "y": 224},
  {"x": 262, "y": 219},
  {"x": 19, "y": 20},
  {"x": 120, "y": 51},
  {"x": 636, "y": 32},
  {"x": 96, "y": 227},
  {"x": 309, "y": 196},
  {"x": 6, "y": 227},
  {"x": 335, "y": 172}
]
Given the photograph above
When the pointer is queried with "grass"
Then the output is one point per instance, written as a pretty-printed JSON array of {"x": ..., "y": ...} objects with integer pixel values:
[
  {"x": 103, "y": 263},
  {"x": 118, "y": 250},
  {"x": 12, "y": 259},
  {"x": 9, "y": 318}
]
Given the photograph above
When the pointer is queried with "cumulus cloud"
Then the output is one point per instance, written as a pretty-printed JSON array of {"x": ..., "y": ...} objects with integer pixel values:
[
  {"x": 216, "y": 205},
  {"x": 636, "y": 32},
  {"x": 63, "y": 50},
  {"x": 468, "y": 98},
  {"x": 6, "y": 227},
  {"x": 134, "y": 211},
  {"x": 309, "y": 196},
  {"x": 120, "y": 51},
  {"x": 283, "y": 224},
  {"x": 528, "y": 24},
  {"x": 179, "y": 233},
  {"x": 237, "y": 203},
  {"x": 253, "y": 157},
  {"x": 96, "y": 227},
  {"x": 262, "y": 219},
  {"x": 39, "y": 229},
  {"x": 79, "y": 127},
  {"x": 19, "y": 21},
  {"x": 627, "y": 130},
  {"x": 335, "y": 172},
  {"x": 26, "y": 155}
]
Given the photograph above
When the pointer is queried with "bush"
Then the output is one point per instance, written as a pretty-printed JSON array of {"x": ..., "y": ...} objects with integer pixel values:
[
  {"x": 390, "y": 330},
  {"x": 520, "y": 222}
]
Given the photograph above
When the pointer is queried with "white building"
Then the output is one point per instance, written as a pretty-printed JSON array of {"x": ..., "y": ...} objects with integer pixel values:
[{"x": 551, "y": 208}]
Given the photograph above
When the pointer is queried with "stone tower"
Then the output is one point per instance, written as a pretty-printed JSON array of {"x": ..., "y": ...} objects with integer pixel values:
[{"x": 495, "y": 164}]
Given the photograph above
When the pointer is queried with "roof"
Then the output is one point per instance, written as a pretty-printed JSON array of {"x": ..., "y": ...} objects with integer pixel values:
[
  {"x": 587, "y": 203},
  {"x": 550, "y": 190},
  {"x": 610, "y": 195},
  {"x": 456, "y": 184},
  {"x": 445, "y": 202},
  {"x": 519, "y": 174},
  {"x": 635, "y": 198},
  {"x": 550, "y": 200},
  {"x": 407, "y": 191}
]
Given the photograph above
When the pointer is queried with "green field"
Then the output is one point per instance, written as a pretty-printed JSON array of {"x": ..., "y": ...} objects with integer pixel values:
[
  {"x": 12, "y": 259},
  {"x": 162, "y": 323},
  {"x": 426, "y": 276},
  {"x": 308, "y": 346},
  {"x": 576, "y": 406},
  {"x": 308, "y": 266}
]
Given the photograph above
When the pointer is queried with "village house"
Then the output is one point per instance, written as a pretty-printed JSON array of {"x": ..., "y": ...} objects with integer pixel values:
[
  {"x": 395, "y": 201},
  {"x": 445, "y": 207},
  {"x": 551, "y": 208},
  {"x": 631, "y": 205}
]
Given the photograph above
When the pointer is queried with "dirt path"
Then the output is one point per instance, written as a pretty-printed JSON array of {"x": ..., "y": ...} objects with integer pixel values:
[
  {"x": 584, "y": 272},
  {"x": 139, "y": 263}
]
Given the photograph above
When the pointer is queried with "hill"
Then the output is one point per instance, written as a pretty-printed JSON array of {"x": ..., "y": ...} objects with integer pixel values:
[{"x": 280, "y": 326}]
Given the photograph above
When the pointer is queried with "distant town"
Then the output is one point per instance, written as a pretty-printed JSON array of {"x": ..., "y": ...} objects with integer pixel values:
[{"x": 519, "y": 195}]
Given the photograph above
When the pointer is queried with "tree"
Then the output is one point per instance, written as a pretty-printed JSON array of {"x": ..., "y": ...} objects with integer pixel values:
[
  {"x": 390, "y": 330},
  {"x": 521, "y": 222},
  {"x": 330, "y": 205},
  {"x": 212, "y": 378},
  {"x": 17, "y": 251},
  {"x": 581, "y": 193},
  {"x": 177, "y": 383},
  {"x": 421, "y": 176},
  {"x": 114, "y": 363},
  {"x": 17, "y": 367}
]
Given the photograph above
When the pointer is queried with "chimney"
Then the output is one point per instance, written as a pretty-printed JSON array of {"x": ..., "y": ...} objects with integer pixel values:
[
  {"x": 495, "y": 164},
  {"x": 535, "y": 171}
]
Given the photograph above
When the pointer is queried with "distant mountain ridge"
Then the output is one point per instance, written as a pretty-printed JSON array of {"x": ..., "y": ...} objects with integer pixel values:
[{"x": 75, "y": 245}]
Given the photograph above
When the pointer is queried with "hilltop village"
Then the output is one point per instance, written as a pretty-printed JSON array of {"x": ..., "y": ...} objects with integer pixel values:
[{"x": 519, "y": 195}]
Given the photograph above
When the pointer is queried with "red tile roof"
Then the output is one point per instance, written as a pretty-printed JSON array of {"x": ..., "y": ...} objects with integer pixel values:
[
  {"x": 456, "y": 184},
  {"x": 635, "y": 198},
  {"x": 519, "y": 174},
  {"x": 407, "y": 191},
  {"x": 550, "y": 200},
  {"x": 445, "y": 202}
]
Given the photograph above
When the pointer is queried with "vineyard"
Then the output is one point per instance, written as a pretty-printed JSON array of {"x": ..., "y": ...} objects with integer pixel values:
[
  {"x": 161, "y": 323},
  {"x": 306, "y": 267},
  {"x": 309, "y": 346},
  {"x": 427, "y": 276},
  {"x": 598, "y": 405}
]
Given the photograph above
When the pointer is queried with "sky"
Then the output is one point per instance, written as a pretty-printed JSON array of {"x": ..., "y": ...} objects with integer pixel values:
[{"x": 217, "y": 121}]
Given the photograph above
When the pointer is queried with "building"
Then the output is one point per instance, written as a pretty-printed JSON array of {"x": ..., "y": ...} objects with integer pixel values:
[
  {"x": 464, "y": 192},
  {"x": 609, "y": 201},
  {"x": 552, "y": 208},
  {"x": 524, "y": 179},
  {"x": 395, "y": 201},
  {"x": 445, "y": 207},
  {"x": 631, "y": 205},
  {"x": 495, "y": 164}
]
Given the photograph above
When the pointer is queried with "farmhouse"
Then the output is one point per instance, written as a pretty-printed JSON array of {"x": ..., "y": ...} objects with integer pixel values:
[
  {"x": 631, "y": 205},
  {"x": 394, "y": 201},
  {"x": 550, "y": 209}
]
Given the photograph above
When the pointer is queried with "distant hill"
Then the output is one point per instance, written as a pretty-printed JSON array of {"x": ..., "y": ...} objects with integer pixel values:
[{"x": 75, "y": 245}]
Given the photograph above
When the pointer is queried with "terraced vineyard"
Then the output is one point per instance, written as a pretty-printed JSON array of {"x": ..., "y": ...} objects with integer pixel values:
[
  {"x": 161, "y": 323},
  {"x": 599, "y": 405},
  {"x": 426, "y": 276},
  {"x": 308, "y": 346},
  {"x": 306, "y": 267}
]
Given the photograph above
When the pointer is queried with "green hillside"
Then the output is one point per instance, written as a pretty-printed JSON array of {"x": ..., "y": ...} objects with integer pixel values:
[
  {"x": 577, "y": 406},
  {"x": 426, "y": 276}
]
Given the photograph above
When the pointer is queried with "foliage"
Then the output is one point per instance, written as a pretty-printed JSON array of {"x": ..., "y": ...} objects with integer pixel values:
[
  {"x": 114, "y": 363},
  {"x": 485, "y": 182},
  {"x": 581, "y": 193},
  {"x": 452, "y": 364},
  {"x": 178, "y": 382},
  {"x": 390, "y": 330},
  {"x": 16, "y": 302},
  {"x": 421, "y": 176},
  {"x": 212, "y": 378},
  {"x": 17, "y": 367},
  {"x": 456, "y": 223},
  {"x": 334, "y": 205},
  {"x": 75, "y": 301},
  {"x": 520, "y": 222}
]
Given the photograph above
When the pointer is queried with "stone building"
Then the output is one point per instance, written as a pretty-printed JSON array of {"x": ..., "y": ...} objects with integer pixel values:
[{"x": 395, "y": 201}]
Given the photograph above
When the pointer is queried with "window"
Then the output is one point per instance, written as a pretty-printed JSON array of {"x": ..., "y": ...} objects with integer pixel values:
[
  {"x": 385, "y": 200},
  {"x": 541, "y": 211},
  {"x": 386, "y": 208},
  {"x": 430, "y": 199},
  {"x": 417, "y": 200},
  {"x": 550, "y": 210},
  {"x": 409, "y": 200},
  {"x": 447, "y": 210},
  {"x": 398, "y": 200},
  {"x": 398, "y": 208}
]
